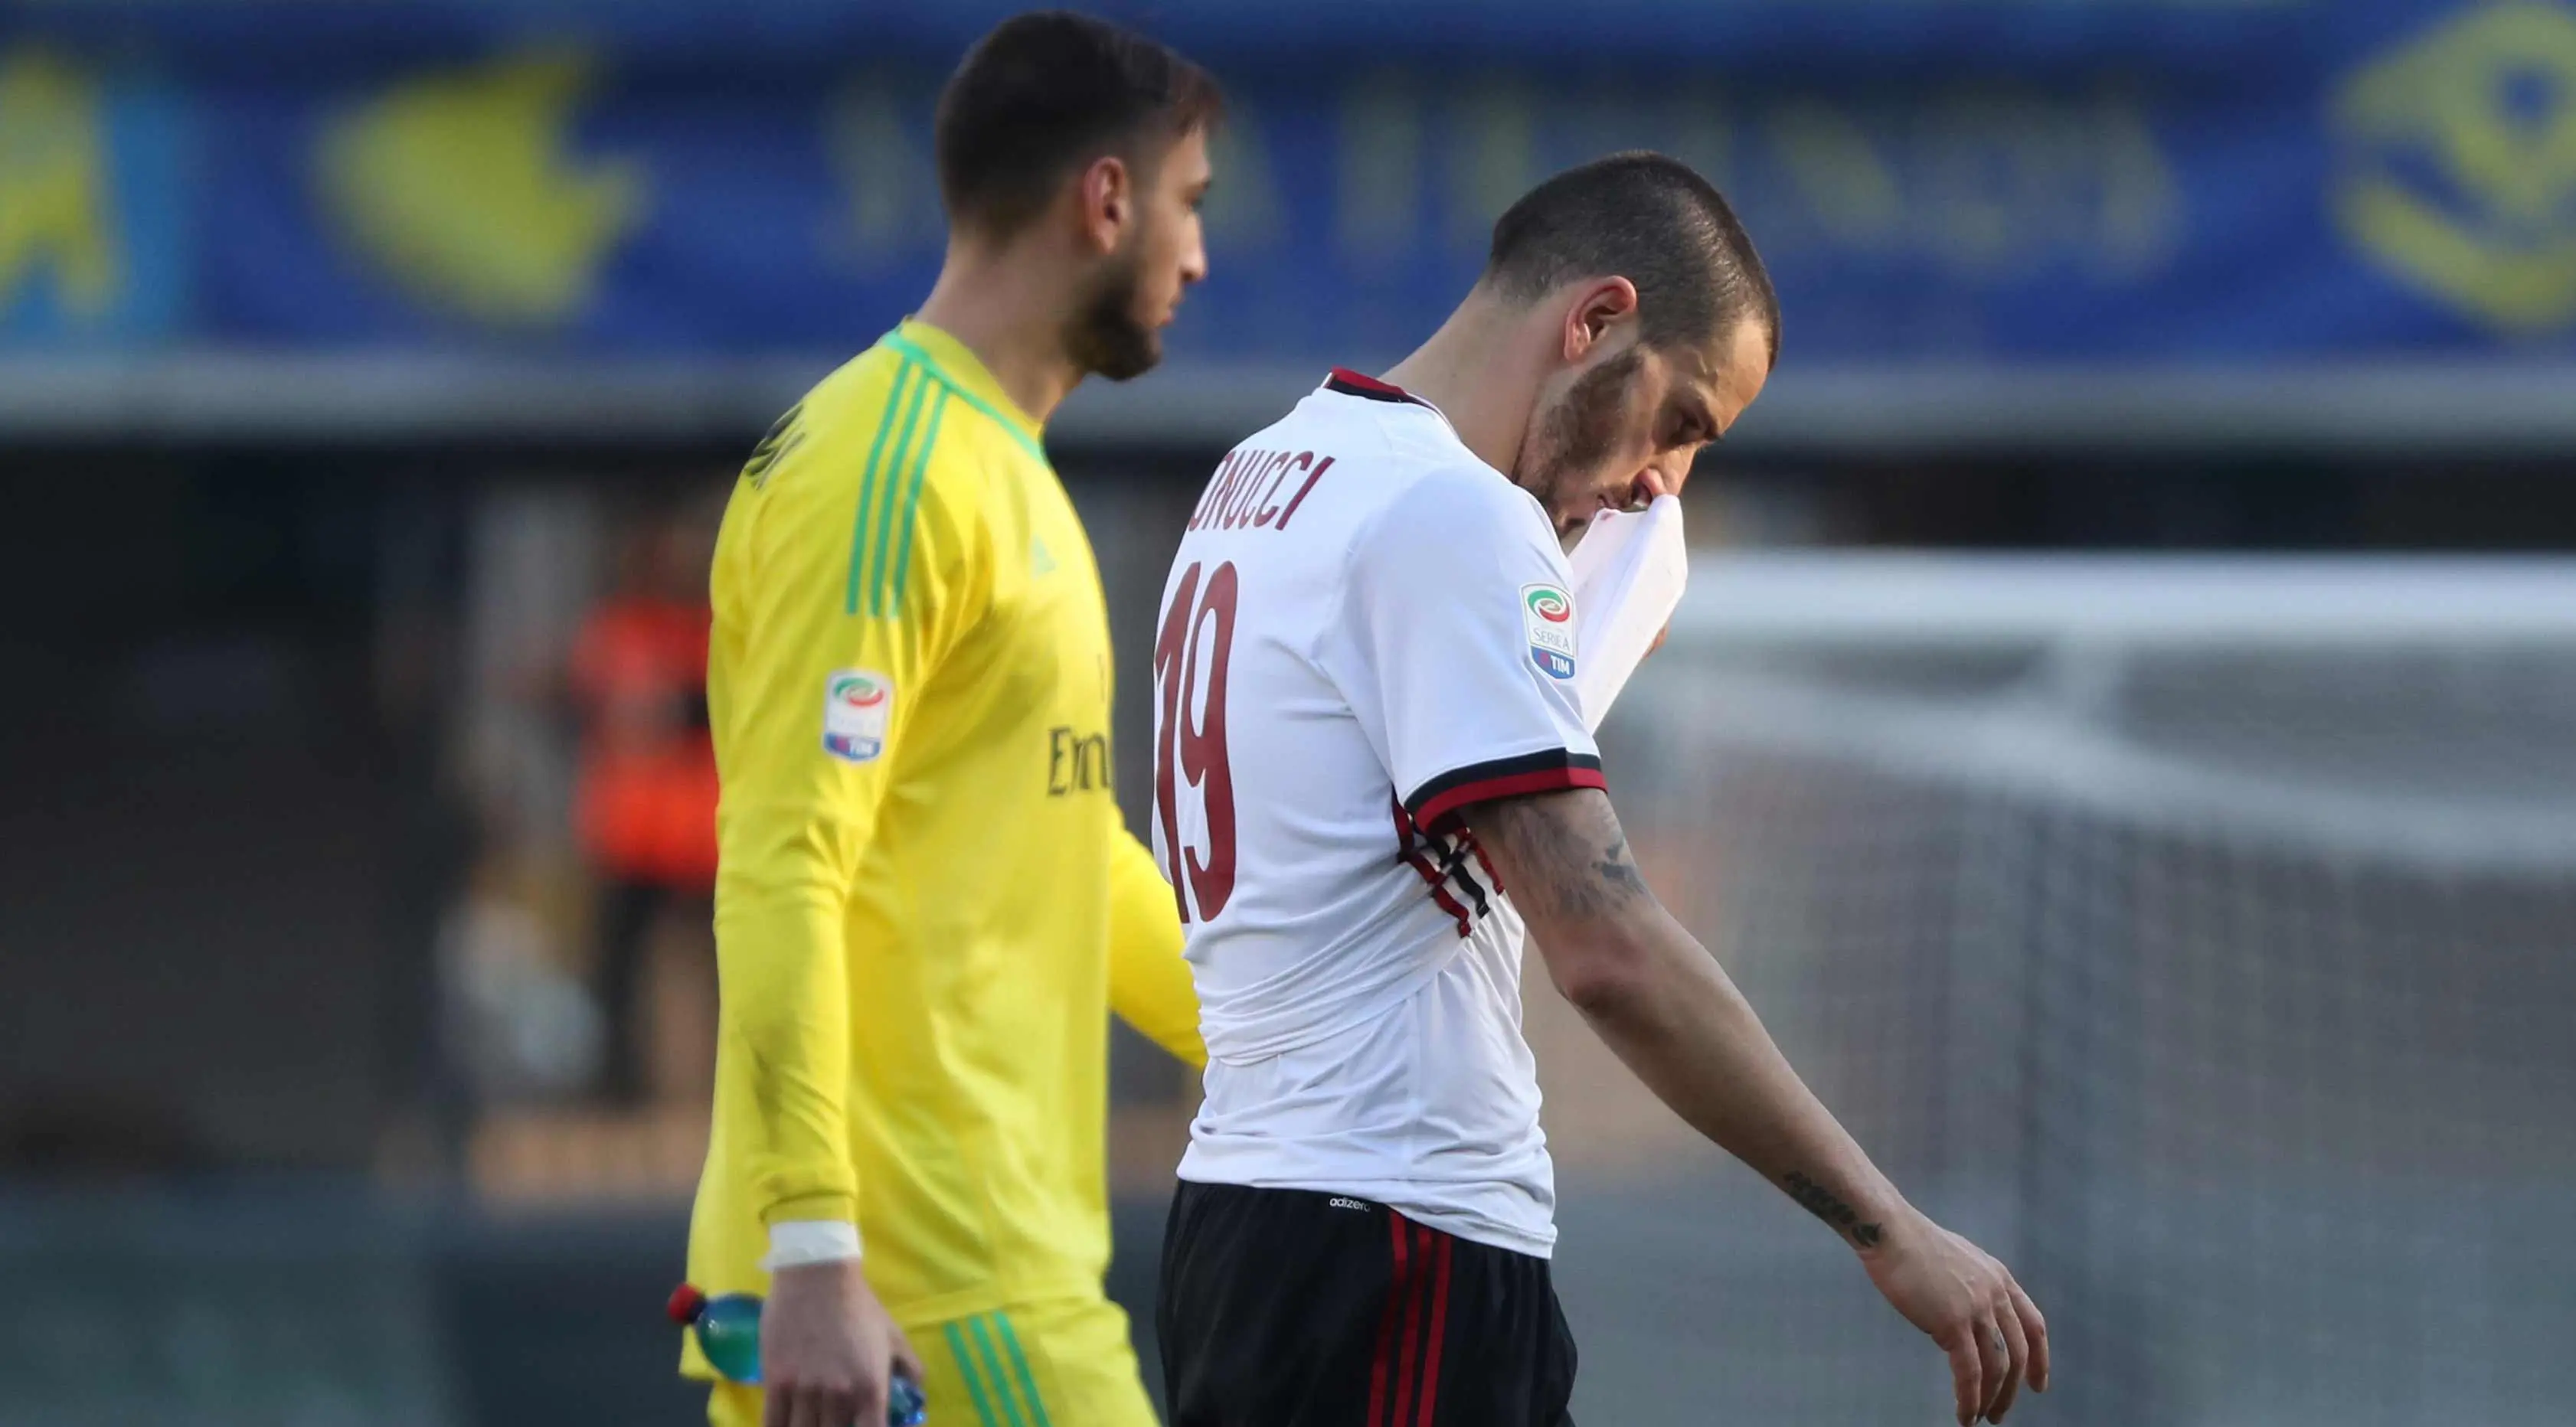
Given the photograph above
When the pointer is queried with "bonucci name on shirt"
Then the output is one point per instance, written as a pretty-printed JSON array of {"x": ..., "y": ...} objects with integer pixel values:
[{"x": 1246, "y": 488}]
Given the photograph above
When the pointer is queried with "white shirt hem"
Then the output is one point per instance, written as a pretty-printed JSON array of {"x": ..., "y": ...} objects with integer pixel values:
[{"x": 1418, "y": 1201}]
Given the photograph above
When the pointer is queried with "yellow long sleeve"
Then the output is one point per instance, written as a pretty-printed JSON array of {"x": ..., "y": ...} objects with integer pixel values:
[
  {"x": 823, "y": 640},
  {"x": 1149, "y": 983}
]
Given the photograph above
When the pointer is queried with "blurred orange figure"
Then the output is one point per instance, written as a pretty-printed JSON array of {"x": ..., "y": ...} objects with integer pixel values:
[{"x": 645, "y": 805}]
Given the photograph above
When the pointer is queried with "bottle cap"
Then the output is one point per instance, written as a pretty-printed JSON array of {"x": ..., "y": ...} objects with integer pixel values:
[{"x": 685, "y": 1305}]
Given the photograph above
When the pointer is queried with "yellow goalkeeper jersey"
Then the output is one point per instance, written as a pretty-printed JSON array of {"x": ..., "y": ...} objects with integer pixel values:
[{"x": 927, "y": 903}]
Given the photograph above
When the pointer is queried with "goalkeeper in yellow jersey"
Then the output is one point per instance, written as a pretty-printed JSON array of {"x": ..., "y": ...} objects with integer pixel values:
[{"x": 928, "y": 903}]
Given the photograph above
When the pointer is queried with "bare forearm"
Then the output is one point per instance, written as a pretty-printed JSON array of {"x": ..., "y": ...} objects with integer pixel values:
[
  {"x": 1689, "y": 1034},
  {"x": 1668, "y": 1010}
]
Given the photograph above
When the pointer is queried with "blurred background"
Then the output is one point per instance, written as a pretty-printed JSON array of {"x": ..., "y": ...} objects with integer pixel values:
[{"x": 2122, "y": 732}]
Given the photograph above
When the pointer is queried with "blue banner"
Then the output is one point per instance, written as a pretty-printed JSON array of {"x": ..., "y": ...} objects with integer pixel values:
[{"x": 1931, "y": 183}]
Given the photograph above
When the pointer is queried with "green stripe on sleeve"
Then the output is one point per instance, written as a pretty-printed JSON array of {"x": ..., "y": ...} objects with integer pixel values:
[
  {"x": 1020, "y": 1364},
  {"x": 888, "y": 489},
  {"x": 1014, "y": 429},
  {"x": 906, "y": 511},
  {"x": 966, "y": 1370},
  {"x": 993, "y": 1365},
  {"x": 868, "y": 480}
]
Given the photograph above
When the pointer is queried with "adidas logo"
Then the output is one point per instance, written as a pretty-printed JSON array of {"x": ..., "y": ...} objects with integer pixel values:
[{"x": 1338, "y": 1202}]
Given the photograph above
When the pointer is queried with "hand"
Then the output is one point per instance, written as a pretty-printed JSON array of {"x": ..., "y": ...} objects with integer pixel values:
[
  {"x": 1971, "y": 1307},
  {"x": 828, "y": 1350}
]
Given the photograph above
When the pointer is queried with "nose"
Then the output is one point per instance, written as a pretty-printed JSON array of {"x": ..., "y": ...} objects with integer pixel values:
[
  {"x": 1194, "y": 264},
  {"x": 1672, "y": 472}
]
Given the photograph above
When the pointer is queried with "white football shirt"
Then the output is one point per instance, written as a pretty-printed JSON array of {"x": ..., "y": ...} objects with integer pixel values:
[{"x": 1366, "y": 630}]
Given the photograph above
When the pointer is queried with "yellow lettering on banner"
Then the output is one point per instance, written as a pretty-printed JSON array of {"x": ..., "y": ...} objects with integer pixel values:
[
  {"x": 464, "y": 189},
  {"x": 1986, "y": 167},
  {"x": 2460, "y": 172},
  {"x": 1498, "y": 151},
  {"x": 1378, "y": 201},
  {"x": 2007, "y": 179},
  {"x": 1243, "y": 204},
  {"x": 1846, "y": 183},
  {"x": 1985, "y": 182},
  {"x": 2140, "y": 218},
  {"x": 893, "y": 186},
  {"x": 55, "y": 209}
]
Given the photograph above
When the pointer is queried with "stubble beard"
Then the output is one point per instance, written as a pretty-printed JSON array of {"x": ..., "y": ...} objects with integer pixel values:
[
  {"x": 1574, "y": 436},
  {"x": 1106, "y": 337}
]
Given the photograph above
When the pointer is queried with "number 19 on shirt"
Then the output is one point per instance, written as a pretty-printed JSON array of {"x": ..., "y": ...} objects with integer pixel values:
[{"x": 1197, "y": 633}]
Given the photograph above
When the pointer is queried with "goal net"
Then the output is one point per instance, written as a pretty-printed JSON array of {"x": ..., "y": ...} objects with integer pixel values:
[{"x": 2199, "y": 935}]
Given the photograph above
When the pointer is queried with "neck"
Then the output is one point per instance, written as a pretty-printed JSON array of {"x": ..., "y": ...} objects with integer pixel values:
[
  {"x": 1478, "y": 371},
  {"x": 1010, "y": 312}
]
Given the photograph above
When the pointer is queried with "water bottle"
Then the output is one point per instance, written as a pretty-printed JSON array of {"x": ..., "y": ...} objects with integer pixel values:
[{"x": 728, "y": 1331}]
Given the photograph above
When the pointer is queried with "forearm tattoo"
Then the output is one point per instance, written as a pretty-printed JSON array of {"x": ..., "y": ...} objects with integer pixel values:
[
  {"x": 1820, "y": 1201},
  {"x": 1618, "y": 870},
  {"x": 1567, "y": 856}
]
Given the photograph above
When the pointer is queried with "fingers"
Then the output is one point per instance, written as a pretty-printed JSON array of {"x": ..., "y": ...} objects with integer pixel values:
[
  {"x": 2017, "y": 1346},
  {"x": 1967, "y": 1373},
  {"x": 1994, "y": 1358},
  {"x": 804, "y": 1406},
  {"x": 823, "y": 1407},
  {"x": 2035, "y": 1329},
  {"x": 812, "y": 1406},
  {"x": 906, "y": 1361}
]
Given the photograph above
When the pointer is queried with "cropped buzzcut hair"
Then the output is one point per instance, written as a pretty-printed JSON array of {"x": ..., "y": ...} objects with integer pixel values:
[{"x": 1649, "y": 219}]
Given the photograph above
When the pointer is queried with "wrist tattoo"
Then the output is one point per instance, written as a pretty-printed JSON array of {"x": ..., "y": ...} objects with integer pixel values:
[{"x": 1819, "y": 1201}]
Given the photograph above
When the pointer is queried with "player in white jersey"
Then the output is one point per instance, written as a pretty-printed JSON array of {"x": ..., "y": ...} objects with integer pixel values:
[{"x": 1372, "y": 779}]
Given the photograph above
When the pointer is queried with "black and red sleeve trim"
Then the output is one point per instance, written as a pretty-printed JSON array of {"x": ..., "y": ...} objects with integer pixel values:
[
  {"x": 1345, "y": 382},
  {"x": 1541, "y": 772}
]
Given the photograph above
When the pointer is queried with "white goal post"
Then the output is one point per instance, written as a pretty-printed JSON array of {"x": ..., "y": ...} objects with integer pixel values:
[
  {"x": 1781, "y": 647},
  {"x": 2198, "y": 933}
]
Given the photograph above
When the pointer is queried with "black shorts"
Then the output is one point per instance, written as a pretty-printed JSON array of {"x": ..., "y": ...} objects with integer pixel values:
[{"x": 1290, "y": 1308}]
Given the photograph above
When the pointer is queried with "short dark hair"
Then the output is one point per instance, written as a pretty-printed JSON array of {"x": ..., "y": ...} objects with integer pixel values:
[
  {"x": 1651, "y": 220},
  {"x": 1044, "y": 95}
]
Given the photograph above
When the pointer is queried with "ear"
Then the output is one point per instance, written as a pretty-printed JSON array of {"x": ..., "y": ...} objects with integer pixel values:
[
  {"x": 1599, "y": 306},
  {"x": 1107, "y": 198}
]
